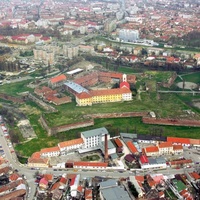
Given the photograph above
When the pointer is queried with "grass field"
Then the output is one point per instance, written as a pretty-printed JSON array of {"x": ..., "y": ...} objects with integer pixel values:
[
  {"x": 114, "y": 126},
  {"x": 14, "y": 88},
  {"x": 192, "y": 77},
  {"x": 70, "y": 113},
  {"x": 189, "y": 77},
  {"x": 169, "y": 105}
]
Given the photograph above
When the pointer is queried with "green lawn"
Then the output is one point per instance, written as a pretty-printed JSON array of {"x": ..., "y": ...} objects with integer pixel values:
[
  {"x": 70, "y": 113},
  {"x": 192, "y": 77},
  {"x": 14, "y": 88}
]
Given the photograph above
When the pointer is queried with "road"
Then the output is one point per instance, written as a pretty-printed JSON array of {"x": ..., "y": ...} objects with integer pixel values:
[{"x": 11, "y": 157}]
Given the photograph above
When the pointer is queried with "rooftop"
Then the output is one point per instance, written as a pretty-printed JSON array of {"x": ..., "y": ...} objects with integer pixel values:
[
  {"x": 95, "y": 132},
  {"x": 70, "y": 143},
  {"x": 75, "y": 87}
]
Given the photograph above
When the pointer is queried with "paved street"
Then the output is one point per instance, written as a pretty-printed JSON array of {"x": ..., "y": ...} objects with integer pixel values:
[{"x": 86, "y": 173}]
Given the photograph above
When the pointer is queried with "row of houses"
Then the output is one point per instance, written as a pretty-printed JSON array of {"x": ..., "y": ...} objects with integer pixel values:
[{"x": 95, "y": 140}]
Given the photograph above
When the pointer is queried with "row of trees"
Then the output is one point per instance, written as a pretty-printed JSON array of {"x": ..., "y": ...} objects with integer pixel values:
[{"x": 192, "y": 39}]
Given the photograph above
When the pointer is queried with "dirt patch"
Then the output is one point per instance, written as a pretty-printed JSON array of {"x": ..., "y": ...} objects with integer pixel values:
[
  {"x": 30, "y": 110},
  {"x": 187, "y": 85},
  {"x": 197, "y": 104}
]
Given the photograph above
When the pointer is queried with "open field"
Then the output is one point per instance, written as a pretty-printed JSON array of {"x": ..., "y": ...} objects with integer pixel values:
[
  {"x": 114, "y": 126},
  {"x": 70, "y": 113},
  {"x": 169, "y": 105},
  {"x": 189, "y": 77},
  {"x": 14, "y": 88}
]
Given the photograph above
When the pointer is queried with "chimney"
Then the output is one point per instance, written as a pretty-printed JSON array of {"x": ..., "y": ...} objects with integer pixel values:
[{"x": 106, "y": 149}]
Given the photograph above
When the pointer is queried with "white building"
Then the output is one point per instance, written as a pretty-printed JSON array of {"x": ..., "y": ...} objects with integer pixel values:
[
  {"x": 50, "y": 152},
  {"x": 129, "y": 35},
  {"x": 94, "y": 137},
  {"x": 70, "y": 145}
]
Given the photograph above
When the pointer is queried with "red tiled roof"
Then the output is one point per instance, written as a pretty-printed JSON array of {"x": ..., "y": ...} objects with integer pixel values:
[
  {"x": 14, "y": 177},
  {"x": 124, "y": 84},
  {"x": 63, "y": 180},
  {"x": 165, "y": 145},
  {"x": 91, "y": 164},
  {"x": 179, "y": 162},
  {"x": 83, "y": 95},
  {"x": 59, "y": 78},
  {"x": 51, "y": 149},
  {"x": 43, "y": 181},
  {"x": 118, "y": 142},
  {"x": 70, "y": 143},
  {"x": 35, "y": 158},
  {"x": 178, "y": 140},
  {"x": 88, "y": 194},
  {"x": 151, "y": 149},
  {"x": 140, "y": 178},
  {"x": 195, "y": 175},
  {"x": 109, "y": 92},
  {"x": 177, "y": 147},
  {"x": 131, "y": 147},
  {"x": 194, "y": 141},
  {"x": 48, "y": 177}
]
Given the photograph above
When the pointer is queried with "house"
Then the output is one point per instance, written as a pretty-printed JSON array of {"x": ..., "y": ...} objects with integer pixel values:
[
  {"x": 37, "y": 161},
  {"x": 57, "y": 81},
  {"x": 88, "y": 194},
  {"x": 180, "y": 163},
  {"x": 138, "y": 182},
  {"x": 177, "y": 149},
  {"x": 151, "y": 151},
  {"x": 43, "y": 184},
  {"x": 74, "y": 183},
  {"x": 70, "y": 145},
  {"x": 50, "y": 152},
  {"x": 165, "y": 148}
]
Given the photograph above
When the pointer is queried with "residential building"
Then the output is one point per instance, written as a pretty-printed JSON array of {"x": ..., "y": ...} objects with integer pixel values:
[
  {"x": 177, "y": 149},
  {"x": 37, "y": 161},
  {"x": 70, "y": 51},
  {"x": 50, "y": 152},
  {"x": 95, "y": 137},
  {"x": 70, "y": 145},
  {"x": 110, "y": 25},
  {"x": 47, "y": 56},
  {"x": 128, "y": 35},
  {"x": 165, "y": 148},
  {"x": 151, "y": 151},
  {"x": 138, "y": 181}
]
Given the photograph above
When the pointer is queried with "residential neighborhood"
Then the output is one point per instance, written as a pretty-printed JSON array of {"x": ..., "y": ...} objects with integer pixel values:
[{"x": 99, "y": 100}]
